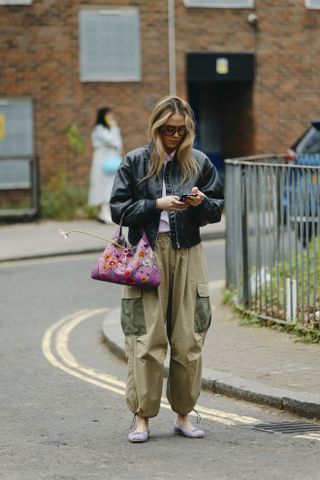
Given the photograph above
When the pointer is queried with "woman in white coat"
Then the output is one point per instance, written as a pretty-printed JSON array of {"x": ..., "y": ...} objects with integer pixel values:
[{"x": 107, "y": 143}]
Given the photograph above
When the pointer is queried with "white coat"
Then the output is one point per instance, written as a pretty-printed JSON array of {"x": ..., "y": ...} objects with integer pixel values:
[{"x": 105, "y": 142}]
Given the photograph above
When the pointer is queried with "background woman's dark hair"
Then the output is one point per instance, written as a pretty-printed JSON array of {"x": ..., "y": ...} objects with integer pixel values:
[{"x": 101, "y": 113}]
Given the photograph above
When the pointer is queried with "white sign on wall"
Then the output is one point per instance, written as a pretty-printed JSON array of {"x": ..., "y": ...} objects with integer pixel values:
[
  {"x": 110, "y": 45},
  {"x": 15, "y": 2},
  {"x": 220, "y": 3},
  {"x": 313, "y": 4},
  {"x": 222, "y": 66}
]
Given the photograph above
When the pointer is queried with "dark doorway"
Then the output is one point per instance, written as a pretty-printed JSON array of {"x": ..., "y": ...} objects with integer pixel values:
[
  {"x": 220, "y": 86},
  {"x": 224, "y": 119}
]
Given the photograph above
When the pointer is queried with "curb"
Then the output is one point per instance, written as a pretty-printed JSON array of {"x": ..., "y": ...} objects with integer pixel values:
[
  {"x": 59, "y": 253},
  {"x": 36, "y": 256},
  {"x": 304, "y": 404},
  {"x": 219, "y": 235}
]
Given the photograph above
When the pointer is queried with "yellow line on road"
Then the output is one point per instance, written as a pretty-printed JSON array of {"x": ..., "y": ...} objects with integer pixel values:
[
  {"x": 56, "y": 338},
  {"x": 309, "y": 436},
  {"x": 62, "y": 338},
  {"x": 231, "y": 416},
  {"x": 47, "y": 351}
]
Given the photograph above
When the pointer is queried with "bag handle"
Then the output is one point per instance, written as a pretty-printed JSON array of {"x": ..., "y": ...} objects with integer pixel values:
[
  {"x": 107, "y": 240},
  {"x": 119, "y": 232},
  {"x": 117, "y": 235}
]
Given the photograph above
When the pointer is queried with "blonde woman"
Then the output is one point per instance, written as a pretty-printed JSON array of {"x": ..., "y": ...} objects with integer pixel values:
[{"x": 169, "y": 189}]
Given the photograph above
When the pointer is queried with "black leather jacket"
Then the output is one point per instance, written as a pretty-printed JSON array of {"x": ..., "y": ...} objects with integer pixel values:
[{"x": 138, "y": 199}]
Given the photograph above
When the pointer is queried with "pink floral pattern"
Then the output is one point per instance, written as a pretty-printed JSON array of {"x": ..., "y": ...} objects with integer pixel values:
[{"x": 128, "y": 266}]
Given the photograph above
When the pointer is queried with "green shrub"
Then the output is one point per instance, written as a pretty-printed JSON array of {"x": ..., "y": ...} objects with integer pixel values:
[{"x": 64, "y": 201}]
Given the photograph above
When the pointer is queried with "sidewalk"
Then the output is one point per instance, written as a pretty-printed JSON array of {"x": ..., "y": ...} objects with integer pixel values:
[
  {"x": 247, "y": 362},
  {"x": 42, "y": 238},
  {"x": 251, "y": 363}
]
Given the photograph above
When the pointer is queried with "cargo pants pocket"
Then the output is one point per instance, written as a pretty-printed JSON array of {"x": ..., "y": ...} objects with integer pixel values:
[
  {"x": 202, "y": 314},
  {"x": 132, "y": 313}
]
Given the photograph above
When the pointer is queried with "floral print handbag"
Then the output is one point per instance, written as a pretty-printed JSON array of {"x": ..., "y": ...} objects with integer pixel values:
[{"x": 127, "y": 265}]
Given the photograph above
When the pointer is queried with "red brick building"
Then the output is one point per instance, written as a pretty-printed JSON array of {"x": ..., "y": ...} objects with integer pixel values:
[{"x": 250, "y": 69}]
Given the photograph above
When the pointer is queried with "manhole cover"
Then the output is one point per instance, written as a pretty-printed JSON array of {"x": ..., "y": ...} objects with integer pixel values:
[{"x": 287, "y": 427}]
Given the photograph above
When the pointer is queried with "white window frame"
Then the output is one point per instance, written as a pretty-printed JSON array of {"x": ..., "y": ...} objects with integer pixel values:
[
  {"x": 310, "y": 6},
  {"x": 84, "y": 76},
  {"x": 15, "y": 2},
  {"x": 219, "y": 4}
]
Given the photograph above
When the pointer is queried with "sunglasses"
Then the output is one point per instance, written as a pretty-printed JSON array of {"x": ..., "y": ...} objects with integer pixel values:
[{"x": 170, "y": 130}]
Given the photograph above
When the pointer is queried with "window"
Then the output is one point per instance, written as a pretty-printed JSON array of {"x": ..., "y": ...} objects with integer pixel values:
[
  {"x": 17, "y": 126},
  {"x": 315, "y": 4},
  {"x": 15, "y": 2},
  {"x": 220, "y": 3},
  {"x": 16, "y": 145},
  {"x": 110, "y": 45}
]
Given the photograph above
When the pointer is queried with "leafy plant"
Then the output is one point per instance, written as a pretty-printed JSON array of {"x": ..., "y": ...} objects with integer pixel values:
[
  {"x": 64, "y": 201},
  {"x": 307, "y": 334},
  {"x": 61, "y": 199},
  {"x": 304, "y": 267},
  {"x": 227, "y": 296},
  {"x": 75, "y": 140}
]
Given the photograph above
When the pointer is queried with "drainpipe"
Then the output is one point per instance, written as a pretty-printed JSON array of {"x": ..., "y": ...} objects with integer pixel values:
[{"x": 172, "y": 48}]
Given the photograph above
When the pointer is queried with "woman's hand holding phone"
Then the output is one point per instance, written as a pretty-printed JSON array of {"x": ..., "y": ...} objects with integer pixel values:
[
  {"x": 171, "y": 203},
  {"x": 186, "y": 196},
  {"x": 176, "y": 204},
  {"x": 194, "y": 198}
]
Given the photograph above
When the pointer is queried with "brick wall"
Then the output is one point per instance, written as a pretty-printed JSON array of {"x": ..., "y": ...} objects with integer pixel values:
[{"x": 39, "y": 51}]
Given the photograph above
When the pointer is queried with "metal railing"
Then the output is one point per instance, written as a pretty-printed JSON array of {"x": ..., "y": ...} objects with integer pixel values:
[{"x": 273, "y": 243}]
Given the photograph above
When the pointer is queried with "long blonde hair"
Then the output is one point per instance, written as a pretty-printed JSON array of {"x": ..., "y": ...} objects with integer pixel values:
[{"x": 163, "y": 110}]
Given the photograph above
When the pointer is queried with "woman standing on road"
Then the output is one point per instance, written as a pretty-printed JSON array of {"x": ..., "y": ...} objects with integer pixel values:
[
  {"x": 148, "y": 188},
  {"x": 107, "y": 144}
]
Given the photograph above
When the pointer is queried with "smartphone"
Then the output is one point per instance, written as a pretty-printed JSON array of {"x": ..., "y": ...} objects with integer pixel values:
[{"x": 184, "y": 196}]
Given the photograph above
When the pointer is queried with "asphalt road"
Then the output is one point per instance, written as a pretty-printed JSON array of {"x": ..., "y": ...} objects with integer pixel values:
[{"x": 62, "y": 407}]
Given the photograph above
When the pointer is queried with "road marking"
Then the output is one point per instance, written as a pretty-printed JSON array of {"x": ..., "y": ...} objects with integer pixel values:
[
  {"x": 62, "y": 337},
  {"x": 309, "y": 436},
  {"x": 49, "y": 354},
  {"x": 55, "y": 348}
]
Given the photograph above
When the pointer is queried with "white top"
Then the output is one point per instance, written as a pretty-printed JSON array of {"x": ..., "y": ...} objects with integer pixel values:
[
  {"x": 105, "y": 143},
  {"x": 164, "y": 225}
]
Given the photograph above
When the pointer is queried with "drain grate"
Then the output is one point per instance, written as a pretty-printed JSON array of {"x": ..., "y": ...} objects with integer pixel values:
[{"x": 287, "y": 427}]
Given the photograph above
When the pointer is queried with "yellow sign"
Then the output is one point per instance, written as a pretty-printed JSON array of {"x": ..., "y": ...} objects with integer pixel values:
[
  {"x": 222, "y": 66},
  {"x": 2, "y": 127}
]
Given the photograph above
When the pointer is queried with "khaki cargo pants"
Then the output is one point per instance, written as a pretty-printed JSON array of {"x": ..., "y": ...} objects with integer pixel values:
[{"x": 178, "y": 312}]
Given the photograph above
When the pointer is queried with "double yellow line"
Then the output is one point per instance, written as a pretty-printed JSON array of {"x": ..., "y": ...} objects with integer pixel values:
[{"x": 56, "y": 349}]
